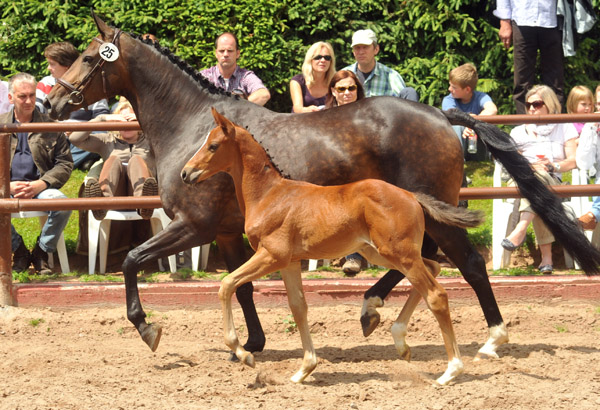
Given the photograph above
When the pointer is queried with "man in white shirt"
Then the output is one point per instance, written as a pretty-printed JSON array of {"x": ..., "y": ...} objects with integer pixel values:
[{"x": 532, "y": 25}]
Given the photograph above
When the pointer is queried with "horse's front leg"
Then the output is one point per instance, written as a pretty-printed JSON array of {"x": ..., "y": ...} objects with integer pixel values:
[
  {"x": 178, "y": 236},
  {"x": 257, "y": 266},
  {"x": 295, "y": 292}
]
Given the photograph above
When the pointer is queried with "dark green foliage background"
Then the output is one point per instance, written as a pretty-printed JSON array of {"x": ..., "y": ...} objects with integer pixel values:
[{"x": 421, "y": 39}]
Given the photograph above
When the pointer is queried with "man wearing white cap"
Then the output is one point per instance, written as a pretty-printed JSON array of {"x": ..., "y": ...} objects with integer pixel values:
[{"x": 377, "y": 79}]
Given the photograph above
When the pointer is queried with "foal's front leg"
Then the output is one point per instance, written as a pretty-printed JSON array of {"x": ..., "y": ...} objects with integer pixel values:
[
  {"x": 295, "y": 292},
  {"x": 260, "y": 264}
]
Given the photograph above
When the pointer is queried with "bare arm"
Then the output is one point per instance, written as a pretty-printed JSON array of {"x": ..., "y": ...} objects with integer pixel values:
[
  {"x": 489, "y": 108},
  {"x": 260, "y": 96},
  {"x": 298, "y": 99}
]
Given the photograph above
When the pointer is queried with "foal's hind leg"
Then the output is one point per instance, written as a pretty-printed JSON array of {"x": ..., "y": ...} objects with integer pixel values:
[
  {"x": 293, "y": 285},
  {"x": 375, "y": 296},
  {"x": 400, "y": 326}
]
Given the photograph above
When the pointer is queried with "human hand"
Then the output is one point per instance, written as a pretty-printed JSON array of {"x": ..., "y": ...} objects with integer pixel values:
[
  {"x": 26, "y": 189},
  {"x": 505, "y": 33}
]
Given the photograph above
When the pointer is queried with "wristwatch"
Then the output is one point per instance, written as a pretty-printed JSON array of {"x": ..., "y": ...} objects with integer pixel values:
[{"x": 556, "y": 167}]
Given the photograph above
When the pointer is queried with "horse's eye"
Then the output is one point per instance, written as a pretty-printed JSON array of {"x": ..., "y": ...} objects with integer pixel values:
[
  {"x": 213, "y": 147},
  {"x": 88, "y": 59}
]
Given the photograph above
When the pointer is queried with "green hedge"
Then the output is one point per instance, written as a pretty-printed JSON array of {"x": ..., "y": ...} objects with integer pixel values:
[{"x": 422, "y": 39}]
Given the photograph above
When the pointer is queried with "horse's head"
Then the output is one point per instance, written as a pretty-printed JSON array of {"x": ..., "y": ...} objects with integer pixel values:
[
  {"x": 95, "y": 75},
  {"x": 216, "y": 153}
]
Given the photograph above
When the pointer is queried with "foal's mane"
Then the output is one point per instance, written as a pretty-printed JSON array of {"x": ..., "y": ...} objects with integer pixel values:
[{"x": 269, "y": 158}]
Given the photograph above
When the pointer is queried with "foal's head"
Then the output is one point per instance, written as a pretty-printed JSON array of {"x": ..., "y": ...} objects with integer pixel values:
[{"x": 215, "y": 155}]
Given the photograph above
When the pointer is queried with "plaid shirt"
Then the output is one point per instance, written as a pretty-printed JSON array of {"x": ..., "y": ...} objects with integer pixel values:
[
  {"x": 241, "y": 79},
  {"x": 382, "y": 80}
]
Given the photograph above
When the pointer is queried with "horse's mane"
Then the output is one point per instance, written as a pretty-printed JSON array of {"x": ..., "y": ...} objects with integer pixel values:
[
  {"x": 184, "y": 66},
  {"x": 275, "y": 166}
]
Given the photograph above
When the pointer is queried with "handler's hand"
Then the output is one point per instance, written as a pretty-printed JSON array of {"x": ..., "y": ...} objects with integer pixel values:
[{"x": 505, "y": 33}]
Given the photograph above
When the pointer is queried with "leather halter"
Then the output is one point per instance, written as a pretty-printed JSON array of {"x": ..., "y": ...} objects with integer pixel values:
[{"x": 76, "y": 97}]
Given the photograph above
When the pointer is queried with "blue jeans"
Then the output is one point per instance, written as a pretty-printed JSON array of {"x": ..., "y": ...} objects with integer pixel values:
[
  {"x": 80, "y": 156},
  {"x": 57, "y": 220}
]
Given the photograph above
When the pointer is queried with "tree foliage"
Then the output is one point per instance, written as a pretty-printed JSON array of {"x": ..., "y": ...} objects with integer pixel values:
[{"x": 422, "y": 39}]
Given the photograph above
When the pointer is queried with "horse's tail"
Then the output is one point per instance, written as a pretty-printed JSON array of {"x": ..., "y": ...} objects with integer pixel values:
[
  {"x": 448, "y": 214},
  {"x": 543, "y": 202}
]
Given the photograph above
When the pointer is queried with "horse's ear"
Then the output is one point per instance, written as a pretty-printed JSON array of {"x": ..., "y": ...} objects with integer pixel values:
[
  {"x": 224, "y": 123},
  {"x": 103, "y": 28}
]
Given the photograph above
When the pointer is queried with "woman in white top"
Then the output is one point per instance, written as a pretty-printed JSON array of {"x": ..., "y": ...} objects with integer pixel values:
[
  {"x": 550, "y": 149},
  {"x": 588, "y": 155}
]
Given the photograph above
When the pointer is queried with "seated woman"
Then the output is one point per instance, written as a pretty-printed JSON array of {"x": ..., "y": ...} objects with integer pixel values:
[
  {"x": 550, "y": 149},
  {"x": 128, "y": 163},
  {"x": 345, "y": 88},
  {"x": 309, "y": 89},
  {"x": 581, "y": 100}
]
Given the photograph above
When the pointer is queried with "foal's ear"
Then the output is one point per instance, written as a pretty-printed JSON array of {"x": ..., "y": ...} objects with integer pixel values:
[
  {"x": 103, "y": 28},
  {"x": 226, "y": 125}
]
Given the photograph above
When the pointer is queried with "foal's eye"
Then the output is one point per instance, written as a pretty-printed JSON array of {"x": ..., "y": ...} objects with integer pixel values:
[{"x": 213, "y": 147}]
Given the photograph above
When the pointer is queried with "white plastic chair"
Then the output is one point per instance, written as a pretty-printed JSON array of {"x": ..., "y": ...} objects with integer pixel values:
[
  {"x": 99, "y": 233},
  {"x": 506, "y": 215},
  {"x": 61, "y": 248},
  {"x": 312, "y": 264}
]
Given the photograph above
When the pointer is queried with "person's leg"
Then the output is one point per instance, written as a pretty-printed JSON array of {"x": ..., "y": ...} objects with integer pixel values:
[
  {"x": 552, "y": 60},
  {"x": 525, "y": 54},
  {"x": 109, "y": 183},
  {"x": 409, "y": 93},
  {"x": 544, "y": 239},
  {"x": 141, "y": 182},
  {"x": 21, "y": 256},
  {"x": 352, "y": 265},
  {"x": 517, "y": 236},
  {"x": 55, "y": 225}
]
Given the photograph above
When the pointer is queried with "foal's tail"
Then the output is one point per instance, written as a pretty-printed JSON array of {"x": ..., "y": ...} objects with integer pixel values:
[
  {"x": 543, "y": 202},
  {"x": 448, "y": 214}
]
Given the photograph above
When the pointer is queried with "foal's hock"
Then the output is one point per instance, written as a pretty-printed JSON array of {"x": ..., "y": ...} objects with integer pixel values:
[{"x": 287, "y": 221}]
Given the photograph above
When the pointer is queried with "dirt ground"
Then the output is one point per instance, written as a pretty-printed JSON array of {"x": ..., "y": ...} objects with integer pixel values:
[{"x": 94, "y": 359}]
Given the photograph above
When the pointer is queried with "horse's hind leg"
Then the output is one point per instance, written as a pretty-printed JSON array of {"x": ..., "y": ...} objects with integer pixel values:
[
  {"x": 293, "y": 285},
  {"x": 374, "y": 297},
  {"x": 456, "y": 245},
  {"x": 175, "y": 238},
  {"x": 233, "y": 250},
  {"x": 400, "y": 327}
]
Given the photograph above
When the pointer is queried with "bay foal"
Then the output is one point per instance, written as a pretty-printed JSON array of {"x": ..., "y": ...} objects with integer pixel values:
[{"x": 287, "y": 221}]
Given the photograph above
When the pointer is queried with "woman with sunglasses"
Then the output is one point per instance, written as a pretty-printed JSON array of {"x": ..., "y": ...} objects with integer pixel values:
[
  {"x": 550, "y": 150},
  {"x": 344, "y": 88},
  {"x": 309, "y": 89}
]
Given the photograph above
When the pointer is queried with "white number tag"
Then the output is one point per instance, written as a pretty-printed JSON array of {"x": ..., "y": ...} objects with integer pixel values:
[{"x": 109, "y": 52}]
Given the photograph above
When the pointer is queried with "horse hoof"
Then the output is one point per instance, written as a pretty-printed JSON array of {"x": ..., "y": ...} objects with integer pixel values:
[
  {"x": 233, "y": 358},
  {"x": 369, "y": 323},
  {"x": 406, "y": 354},
  {"x": 151, "y": 335},
  {"x": 248, "y": 359}
]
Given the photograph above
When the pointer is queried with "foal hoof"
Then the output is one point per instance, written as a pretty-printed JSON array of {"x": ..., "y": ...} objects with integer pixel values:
[
  {"x": 248, "y": 359},
  {"x": 369, "y": 323},
  {"x": 151, "y": 335}
]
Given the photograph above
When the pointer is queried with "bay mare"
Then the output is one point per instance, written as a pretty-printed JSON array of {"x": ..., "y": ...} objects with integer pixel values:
[
  {"x": 287, "y": 221},
  {"x": 410, "y": 145}
]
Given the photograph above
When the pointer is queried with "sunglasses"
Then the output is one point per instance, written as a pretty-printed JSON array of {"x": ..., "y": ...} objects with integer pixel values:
[
  {"x": 319, "y": 56},
  {"x": 350, "y": 88},
  {"x": 535, "y": 104}
]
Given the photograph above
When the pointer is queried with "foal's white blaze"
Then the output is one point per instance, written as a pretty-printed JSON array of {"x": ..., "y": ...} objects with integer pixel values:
[
  {"x": 498, "y": 336},
  {"x": 201, "y": 146}
]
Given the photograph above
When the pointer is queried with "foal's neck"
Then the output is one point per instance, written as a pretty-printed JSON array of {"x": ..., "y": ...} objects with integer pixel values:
[{"x": 254, "y": 174}]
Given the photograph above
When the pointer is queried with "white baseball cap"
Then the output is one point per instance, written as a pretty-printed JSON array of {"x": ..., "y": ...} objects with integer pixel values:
[{"x": 366, "y": 37}]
